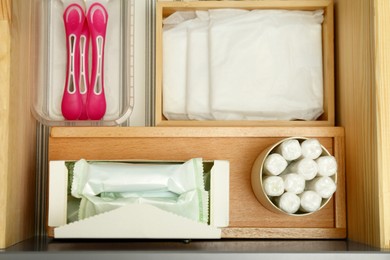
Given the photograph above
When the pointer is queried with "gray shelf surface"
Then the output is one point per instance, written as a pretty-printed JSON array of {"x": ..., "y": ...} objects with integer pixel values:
[{"x": 44, "y": 248}]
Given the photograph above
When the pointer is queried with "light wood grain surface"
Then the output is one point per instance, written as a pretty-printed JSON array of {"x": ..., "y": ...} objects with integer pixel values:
[
  {"x": 382, "y": 81},
  {"x": 240, "y": 146},
  {"x": 17, "y": 127},
  {"x": 327, "y": 119},
  {"x": 5, "y": 78},
  {"x": 362, "y": 108}
]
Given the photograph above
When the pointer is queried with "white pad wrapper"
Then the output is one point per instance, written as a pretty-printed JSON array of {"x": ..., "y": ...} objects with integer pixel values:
[
  {"x": 243, "y": 65},
  {"x": 310, "y": 201},
  {"x": 273, "y": 185},
  {"x": 274, "y": 164},
  {"x": 289, "y": 202},
  {"x": 305, "y": 167},
  {"x": 175, "y": 66},
  {"x": 91, "y": 179},
  {"x": 324, "y": 186},
  {"x": 293, "y": 182},
  {"x": 267, "y": 65},
  {"x": 290, "y": 149},
  {"x": 174, "y": 187},
  {"x": 327, "y": 165},
  {"x": 198, "y": 89},
  {"x": 192, "y": 204},
  {"x": 311, "y": 148}
]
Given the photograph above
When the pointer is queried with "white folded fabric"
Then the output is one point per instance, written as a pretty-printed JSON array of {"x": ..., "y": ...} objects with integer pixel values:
[
  {"x": 293, "y": 182},
  {"x": 266, "y": 65},
  {"x": 327, "y": 165},
  {"x": 274, "y": 164},
  {"x": 290, "y": 149},
  {"x": 273, "y": 185},
  {"x": 288, "y": 202},
  {"x": 324, "y": 186},
  {"x": 311, "y": 148},
  {"x": 310, "y": 201},
  {"x": 305, "y": 167}
]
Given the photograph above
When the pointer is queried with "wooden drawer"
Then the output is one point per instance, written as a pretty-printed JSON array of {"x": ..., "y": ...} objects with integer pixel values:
[
  {"x": 361, "y": 89},
  {"x": 240, "y": 146}
]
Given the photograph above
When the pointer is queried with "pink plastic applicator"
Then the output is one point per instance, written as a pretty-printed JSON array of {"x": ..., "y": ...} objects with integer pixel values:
[
  {"x": 72, "y": 104},
  {"x": 97, "y": 17},
  {"x": 84, "y": 69}
]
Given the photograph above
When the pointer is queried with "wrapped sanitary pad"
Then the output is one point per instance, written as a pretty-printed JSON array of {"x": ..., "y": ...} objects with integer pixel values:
[
  {"x": 175, "y": 65},
  {"x": 267, "y": 65},
  {"x": 175, "y": 187},
  {"x": 189, "y": 204},
  {"x": 233, "y": 64}
]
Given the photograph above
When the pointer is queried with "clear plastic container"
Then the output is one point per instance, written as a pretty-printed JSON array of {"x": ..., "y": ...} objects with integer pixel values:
[{"x": 48, "y": 63}]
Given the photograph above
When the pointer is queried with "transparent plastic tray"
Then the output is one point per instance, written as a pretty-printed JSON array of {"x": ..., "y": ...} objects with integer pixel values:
[{"x": 48, "y": 59}]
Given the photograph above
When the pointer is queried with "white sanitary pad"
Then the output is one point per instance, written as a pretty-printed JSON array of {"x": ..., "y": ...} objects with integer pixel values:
[
  {"x": 243, "y": 65},
  {"x": 267, "y": 64},
  {"x": 175, "y": 67},
  {"x": 197, "y": 96}
]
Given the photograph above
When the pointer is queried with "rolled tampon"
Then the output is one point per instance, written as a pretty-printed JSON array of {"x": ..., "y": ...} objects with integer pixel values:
[
  {"x": 290, "y": 149},
  {"x": 293, "y": 182},
  {"x": 327, "y": 165},
  {"x": 273, "y": 185},
  {"x": 323, "y": 185},
  {"x": 274, "y": 164},
  {"x": 288, "y": 202},
  {"x": 310, "y": 201},
  {"x": 311, "y": 148},
  {"x": 305, "y": 167}
]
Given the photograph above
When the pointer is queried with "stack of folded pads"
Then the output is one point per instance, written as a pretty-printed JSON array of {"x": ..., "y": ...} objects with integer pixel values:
[{"x": 232, "y": 64}]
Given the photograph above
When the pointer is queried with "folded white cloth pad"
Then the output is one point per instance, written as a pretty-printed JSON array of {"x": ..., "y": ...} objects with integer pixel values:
[{"x": 243, "y": 65}]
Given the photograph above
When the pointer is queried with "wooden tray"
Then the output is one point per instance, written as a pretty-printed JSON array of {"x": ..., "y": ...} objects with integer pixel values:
[
  {"x": 167, "y": 7},
  {"x": 239, "y": 145}
]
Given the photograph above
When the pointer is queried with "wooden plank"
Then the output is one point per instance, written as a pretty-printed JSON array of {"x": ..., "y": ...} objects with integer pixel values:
[
  {"x": 382, "y": 77},
  {"x": 339, "y": 153},
  {"x": 156, "y": 132},
  {"x": 5, "y": 10},
  {"x": 209, "y": 143},
  {"x": 17, "y": 130},
  {"x": 357, "y": 112},
  {"x": 165, "y": 8},
  {"x": 284, "y": 233},
  {"x": 5, "y": 78}
]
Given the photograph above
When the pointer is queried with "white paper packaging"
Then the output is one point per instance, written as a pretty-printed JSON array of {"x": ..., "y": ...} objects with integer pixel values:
[
  {"x": 274, "y": 164},
  {"x": 91, "y": 179},
  {"x": 311, "y": 148},
  {"x": 327, "y": 165},
  {"x": 310, "y": 201},
  {"x": 324, "y": 186},
  {"x": 192, "y": 204},
  {"x": 290, "y": 149},
  {"x": 280, "y": 54},
  {"x": 273, "y": 185},
  {"x": 197, "y": 88},
  {"x": 288, "y": 202},
  {"x": 305, "y": 167},
  {"x": 175, "y": 68},
  {"x": 293, "y": 182}
]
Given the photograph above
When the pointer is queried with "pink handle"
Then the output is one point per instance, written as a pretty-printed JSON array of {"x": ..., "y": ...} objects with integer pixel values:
[
  {"x": 84, "y": 69},
  {"x": 97, "y": 20},
  {"x": 72, "y": 105}
]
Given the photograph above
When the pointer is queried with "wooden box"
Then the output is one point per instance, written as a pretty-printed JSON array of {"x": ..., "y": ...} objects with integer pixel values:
[
  {"x": 362, "y": 77},
  {"x": 166, "y": 8},
  {"x": 240, "y": 146}
]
